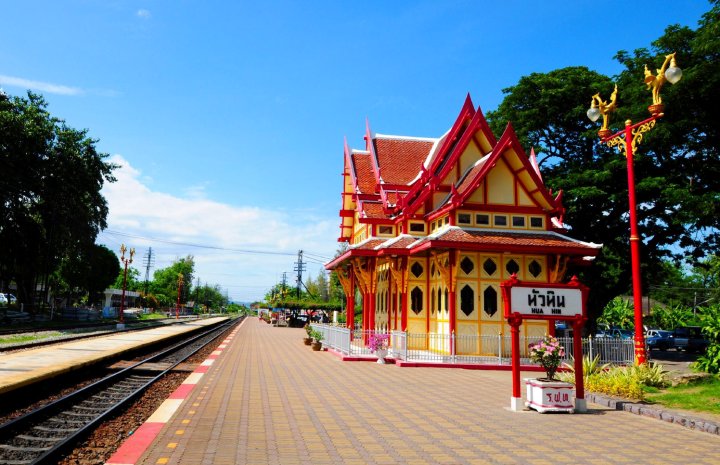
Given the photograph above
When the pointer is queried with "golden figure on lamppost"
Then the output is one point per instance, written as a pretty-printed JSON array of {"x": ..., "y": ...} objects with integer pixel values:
[
  {"x": 599, "y": 107},
  {"x": 655, "y": 83},
  {"x": 626, "y": 141}
]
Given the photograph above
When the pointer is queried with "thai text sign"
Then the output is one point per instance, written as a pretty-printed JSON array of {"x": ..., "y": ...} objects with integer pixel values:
[{"x": 546, "y": 302}]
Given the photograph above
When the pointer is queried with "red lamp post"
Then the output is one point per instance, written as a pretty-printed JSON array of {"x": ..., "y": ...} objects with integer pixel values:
[
  {"x": 126, "y": 262},
  {"x": 626, "y": 141},
  {"x": 181, "y": 281}
]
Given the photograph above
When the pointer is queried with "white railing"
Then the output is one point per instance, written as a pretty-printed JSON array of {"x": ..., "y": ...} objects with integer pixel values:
[{"x": 479, "y": 349}]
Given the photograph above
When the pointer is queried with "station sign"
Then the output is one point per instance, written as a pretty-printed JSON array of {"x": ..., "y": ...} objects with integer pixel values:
[{"x": 544, "y": 301}]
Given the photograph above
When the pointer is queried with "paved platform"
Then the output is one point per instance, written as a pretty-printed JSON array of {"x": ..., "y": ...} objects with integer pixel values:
[
  {"x": 22, "y": 368},
  {"x": 265, "y": 398}
]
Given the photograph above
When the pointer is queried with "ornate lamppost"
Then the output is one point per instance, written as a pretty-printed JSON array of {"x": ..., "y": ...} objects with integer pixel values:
[
  {"x": 626, "y": 141},
  {"x": 126, "y": 262}
]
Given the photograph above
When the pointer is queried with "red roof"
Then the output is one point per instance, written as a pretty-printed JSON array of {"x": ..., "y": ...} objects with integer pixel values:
[
  {"x": 363, "y": 171},
  {"x": 400, "y": 159},
  {"x": 497, "y": 240},
  {"x": 373, "y": 210}
]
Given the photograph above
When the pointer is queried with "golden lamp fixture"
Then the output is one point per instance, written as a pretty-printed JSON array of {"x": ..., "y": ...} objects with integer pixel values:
[{"x": 671, "y": 73}]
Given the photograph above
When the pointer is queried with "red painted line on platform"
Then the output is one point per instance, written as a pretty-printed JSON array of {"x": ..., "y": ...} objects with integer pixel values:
[
  {"x": 182, "y": 392},
  {"x": 134, "y": 447}
]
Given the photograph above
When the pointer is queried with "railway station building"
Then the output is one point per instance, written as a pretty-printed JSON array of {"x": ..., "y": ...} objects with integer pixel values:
[{"x": 434, "y": 225}]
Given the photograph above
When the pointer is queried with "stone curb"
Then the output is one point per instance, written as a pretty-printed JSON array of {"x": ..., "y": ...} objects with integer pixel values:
[{"x": 668, "y": 416}]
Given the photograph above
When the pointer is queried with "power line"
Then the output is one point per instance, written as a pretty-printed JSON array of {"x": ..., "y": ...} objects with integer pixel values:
[{"x": 200, "y": 246}]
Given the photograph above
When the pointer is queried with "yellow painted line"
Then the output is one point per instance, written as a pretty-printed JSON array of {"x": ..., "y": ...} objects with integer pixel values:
[
  {"x": 162, "y": 460},
  {"x": 172, "y": 445},
  {"x": 193, "y": 378},
  {"x": 165, "y": 411},
  {"x": 185, "y": 422},
  {"x": 180, "y": 432}
]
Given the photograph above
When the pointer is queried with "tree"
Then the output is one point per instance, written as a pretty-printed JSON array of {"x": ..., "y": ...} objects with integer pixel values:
[
  {"x": 88, "y": 273},
  {"x": 51, "y": 207},
  {"x": 677, "y": 165},
  {"x": 165, "y": 281}
]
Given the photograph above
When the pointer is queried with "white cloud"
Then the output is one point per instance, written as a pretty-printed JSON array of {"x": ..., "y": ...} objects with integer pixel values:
[
  {"x": 139, "y": 215},
  {"x": 144, "y": 14},
  {"x": 38, "y": 85}
]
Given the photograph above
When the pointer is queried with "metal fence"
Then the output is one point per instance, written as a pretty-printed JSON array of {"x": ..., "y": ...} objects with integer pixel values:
[{"x": 466, "y": 349}]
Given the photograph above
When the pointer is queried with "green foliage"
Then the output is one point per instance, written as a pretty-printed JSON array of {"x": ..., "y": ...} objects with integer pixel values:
[
  {"x": 51, "y": 206},
  {"x": 677, "y": 165},
  {"x": 316, "y": 335},
  {"x": 630, "y": 382},
  {"x": 616, "y": 382},
  {"x": 710, "y": 322},
  {"x": 619, "y": 312},
  {"x": 590, "y": 367},
  {"x": 670, "y": 317}
]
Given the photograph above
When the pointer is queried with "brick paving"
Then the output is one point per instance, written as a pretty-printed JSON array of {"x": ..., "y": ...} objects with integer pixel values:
[{"x": 268, "y": 399}]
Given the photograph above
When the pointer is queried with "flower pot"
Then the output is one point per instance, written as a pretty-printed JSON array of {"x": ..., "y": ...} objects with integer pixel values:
[
  {"x": 317, "y": 345},
  {"x": 381, "y": 354},
  {"x": 550, "y": 396},
  {"x": 307, "y": 341}
]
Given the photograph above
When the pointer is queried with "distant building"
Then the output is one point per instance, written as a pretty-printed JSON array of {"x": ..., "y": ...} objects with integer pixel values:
[{"x": 434, "y": 225}]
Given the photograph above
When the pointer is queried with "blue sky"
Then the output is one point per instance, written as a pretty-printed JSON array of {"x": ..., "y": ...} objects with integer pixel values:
[{"x": 228, "y": 118}]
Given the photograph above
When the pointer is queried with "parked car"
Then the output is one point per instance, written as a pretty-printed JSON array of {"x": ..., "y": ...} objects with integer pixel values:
[
  {"x": 616, "y": 333},
  {"x": 690, "y": 338},
  {"x": 659, "y": 339},
  {"x": 3, "y": 299},
  {"x": 11, "y": 298}
]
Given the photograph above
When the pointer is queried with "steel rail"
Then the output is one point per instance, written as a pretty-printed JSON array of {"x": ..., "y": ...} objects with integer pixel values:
[{"x": 44, "y": 435}]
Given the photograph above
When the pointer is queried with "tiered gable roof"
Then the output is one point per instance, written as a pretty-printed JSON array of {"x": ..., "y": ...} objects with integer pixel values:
[{"x": 395, "y": 179}]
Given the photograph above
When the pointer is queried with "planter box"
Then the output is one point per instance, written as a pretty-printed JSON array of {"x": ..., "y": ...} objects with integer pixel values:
[
  {"x": 550, "y": 396},
  {"x": 381, "y": 354}
]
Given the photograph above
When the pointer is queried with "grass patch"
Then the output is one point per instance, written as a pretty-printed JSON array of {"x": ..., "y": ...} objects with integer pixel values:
[
  {"x": 701, "y": 396},
  {"x": 21, "y": 338},
  {"x": 152, "y": 316}
]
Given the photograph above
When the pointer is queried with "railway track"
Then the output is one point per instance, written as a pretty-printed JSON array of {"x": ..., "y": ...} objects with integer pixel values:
[{"x": 44, "y": 435}]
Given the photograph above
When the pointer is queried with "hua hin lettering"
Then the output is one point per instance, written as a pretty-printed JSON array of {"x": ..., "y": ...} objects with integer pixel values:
[{"x": 540, "y": 302}]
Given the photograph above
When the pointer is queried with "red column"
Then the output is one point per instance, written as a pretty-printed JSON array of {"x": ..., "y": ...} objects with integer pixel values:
[
  {"x": 350, "y": 303},
  {"x": 403, "y": 311},
  {"x": 635, "y": 251}
]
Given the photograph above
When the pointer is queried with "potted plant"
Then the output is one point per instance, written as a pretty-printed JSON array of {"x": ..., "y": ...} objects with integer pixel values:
[
  {"x": 318, "y": 337},
  {"x": 549, "y": 394},
  {"x": 378, "y": 344},
  {"x": 307, "y": 340}
]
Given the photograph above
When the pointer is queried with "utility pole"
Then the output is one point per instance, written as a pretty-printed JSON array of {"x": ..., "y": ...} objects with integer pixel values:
[
  {"x": 299, "y": 268},
  {"x": 148, "y": 262}
]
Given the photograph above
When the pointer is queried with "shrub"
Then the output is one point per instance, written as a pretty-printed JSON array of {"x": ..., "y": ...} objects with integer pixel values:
[
  {"x": 628, "y": 382},
  {"x": 710, "y": 360},
  {"x": 317, "y": 335}
]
